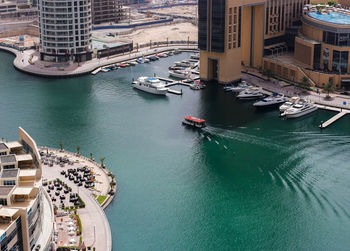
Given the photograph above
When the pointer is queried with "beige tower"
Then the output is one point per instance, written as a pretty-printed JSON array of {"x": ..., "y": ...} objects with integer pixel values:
[{"x": 232, "y": 33}]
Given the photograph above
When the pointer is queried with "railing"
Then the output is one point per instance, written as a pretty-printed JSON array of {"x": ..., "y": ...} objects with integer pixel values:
[
  {"x": 107, "y": 227},
  {"x": 47, "y": 246}
]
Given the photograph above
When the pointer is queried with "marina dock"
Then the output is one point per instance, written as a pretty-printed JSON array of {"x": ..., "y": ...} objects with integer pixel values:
[
  {"x": 96, "y": 71},
  {"x": 341, "y": 113}
]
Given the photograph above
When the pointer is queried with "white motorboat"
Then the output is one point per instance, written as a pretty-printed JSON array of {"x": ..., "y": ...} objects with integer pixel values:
[
  {"x": 183, "y": 63},
  {"x": 182, "y": 74},
  {"x": 195, "y": 56},
  {"x": 229, "y": 88},
  {"x": 133, "y": 63},
  {"x": 150, "y": 85},
  {"x": 251, "y": 93},
  {"x": 146, "y": 60},
  {"x": 299, "y": 109},
  {"x": 240, "y": 87},
  {"x": 289, "y": 103},
  {"x": 273, "y": 100}
]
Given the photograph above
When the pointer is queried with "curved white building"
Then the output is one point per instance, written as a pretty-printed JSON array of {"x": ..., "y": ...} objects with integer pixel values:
[{"x": 65, "y": 30}]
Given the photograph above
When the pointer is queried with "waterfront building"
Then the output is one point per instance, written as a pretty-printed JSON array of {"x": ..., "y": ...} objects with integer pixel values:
[
  {"x": 21, "y": 196},
  {"x": 322, "y": 48},
  {"x": 107, "y": 11},
  {"x": 65, "y": 30},
  {"x": 234, "y": 33},
  {"x": 290, "y": 38}
]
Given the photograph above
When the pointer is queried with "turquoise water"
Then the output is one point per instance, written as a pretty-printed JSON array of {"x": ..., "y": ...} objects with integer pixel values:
[
  {"x": 332, "y": 17},
  {"x": 250, "y": 181}
]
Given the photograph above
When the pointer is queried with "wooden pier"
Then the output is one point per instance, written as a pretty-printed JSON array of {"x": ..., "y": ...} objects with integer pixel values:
[{"x": 341, "y": 113}]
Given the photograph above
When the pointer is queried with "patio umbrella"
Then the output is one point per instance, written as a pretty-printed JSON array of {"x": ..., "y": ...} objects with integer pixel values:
[
  {"x": 71, "y": 223},
  {"x": 71, "y": 233},
  {"x": 72, "y": 240},
  {"x": 71, "y": 229}
]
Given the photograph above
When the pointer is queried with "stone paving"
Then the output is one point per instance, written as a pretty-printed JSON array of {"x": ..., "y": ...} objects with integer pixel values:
[{"x": 92, "y": 216}]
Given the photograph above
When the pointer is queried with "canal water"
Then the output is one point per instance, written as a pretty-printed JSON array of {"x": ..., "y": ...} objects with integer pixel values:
[{"x": 249, "y": 181}]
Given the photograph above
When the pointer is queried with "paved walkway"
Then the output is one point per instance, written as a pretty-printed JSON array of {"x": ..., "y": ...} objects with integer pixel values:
[
  {"x": 96, "y": 230},
  {"x": 319, "y": 98},
  {"x": 40, "y": 68}
]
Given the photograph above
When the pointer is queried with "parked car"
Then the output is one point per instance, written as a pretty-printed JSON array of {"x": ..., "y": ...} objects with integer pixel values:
[
  {"x": 62, "y": 197},
  {"x": 57, "y": 193}
]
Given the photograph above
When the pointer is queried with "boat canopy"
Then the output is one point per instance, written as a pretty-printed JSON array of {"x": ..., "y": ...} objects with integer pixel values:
[{"x": 194, "y": 119}]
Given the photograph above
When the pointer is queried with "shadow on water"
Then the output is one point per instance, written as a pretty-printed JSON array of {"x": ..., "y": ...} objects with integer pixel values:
[{"x": 222, "y": 109}]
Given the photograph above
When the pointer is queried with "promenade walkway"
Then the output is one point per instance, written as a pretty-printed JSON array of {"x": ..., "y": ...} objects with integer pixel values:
[
  {"x": 96, "y": 230},
  {"x": 337, "y": 100},
  {"x": 28, "y": 61},
  {"x": 338, "y": 103}
]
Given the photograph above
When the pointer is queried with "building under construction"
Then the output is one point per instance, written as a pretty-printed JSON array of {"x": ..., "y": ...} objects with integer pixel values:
[{"x": 107, "y": 11}]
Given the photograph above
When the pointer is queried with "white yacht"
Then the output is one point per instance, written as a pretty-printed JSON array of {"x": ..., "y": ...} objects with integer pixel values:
[
  {"x": 289, "y": 103},
  {"x": 274, "y": 99},
  {"x": 183, "y": 63},
  {"x": 299, "y": 109},
  {"x": 240, "y": 87},
  {"x": 251, "y": 93},
  {"x": 195, "y": 56},
  {"x": 183, "y": 74},
  {"x": 150, "y": 85}
]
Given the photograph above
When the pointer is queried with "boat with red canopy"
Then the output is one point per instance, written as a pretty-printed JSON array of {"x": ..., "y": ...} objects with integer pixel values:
[{"x": 194, "y": 122}]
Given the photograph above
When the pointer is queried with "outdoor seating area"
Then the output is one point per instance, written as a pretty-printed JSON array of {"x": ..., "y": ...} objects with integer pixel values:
[
  {"x": 62, "y": 196},
  {"x": 82, "y": 176},
  {"x": 67, "y": 232},
  {"x": 50, "y": 159}
]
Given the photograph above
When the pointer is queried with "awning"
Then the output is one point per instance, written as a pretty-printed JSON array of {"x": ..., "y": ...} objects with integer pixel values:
[
  {"x": 13, "y": 144},
  {"x": 22, "y": 191},
  {"x": 8, "y": 212},
  {"x": 24, "y": 157},
  {"x": 27, "y": 173}
]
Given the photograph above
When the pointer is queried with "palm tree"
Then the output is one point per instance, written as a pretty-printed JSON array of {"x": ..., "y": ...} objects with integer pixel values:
[
  {"x": 328, "y": 88},
  {"x": 91, "y": 156},
  {"x": 78, "y": 150},
  {"x": 102, "y": 160},
  {"x": 61, "y": 146}
]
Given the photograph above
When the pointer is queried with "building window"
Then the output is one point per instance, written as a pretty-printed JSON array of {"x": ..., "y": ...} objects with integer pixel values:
[
  {"x": 3, "y": 201},
  {"x": 9, "y": 166},
  {"x": 340, "y": 61},
  {"x": 3, "y": 153},
  {"x": 9, "y": 182}
]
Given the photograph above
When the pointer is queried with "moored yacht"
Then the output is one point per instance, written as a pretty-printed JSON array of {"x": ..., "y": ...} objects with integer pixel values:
[
  {"x": 183, "y": 63},
  {"x": 299, "y": 109},
  {"x": 150, "y": 85},
  {"x": 183, "y": 74},
  {"x": 273, "y": 100},
  {"x": 251, "y": 93},
  {"x": 289, "y": 103},
  {"x": 240, "y": 87}
]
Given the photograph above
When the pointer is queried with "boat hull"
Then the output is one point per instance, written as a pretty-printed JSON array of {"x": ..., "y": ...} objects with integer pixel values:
[
  {"x": 161, "y": 92},
  {"x": 300, "y": 114}
]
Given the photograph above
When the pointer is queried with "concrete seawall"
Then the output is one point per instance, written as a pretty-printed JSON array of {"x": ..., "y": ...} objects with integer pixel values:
[{"x": 23, "y": 63}]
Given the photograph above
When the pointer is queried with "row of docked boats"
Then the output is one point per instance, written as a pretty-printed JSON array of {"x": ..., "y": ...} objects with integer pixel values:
[
  {"x": 185, "y": 69},
  {"x": 290, "y": 108},
  {"x": 137, "y": 61}
]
